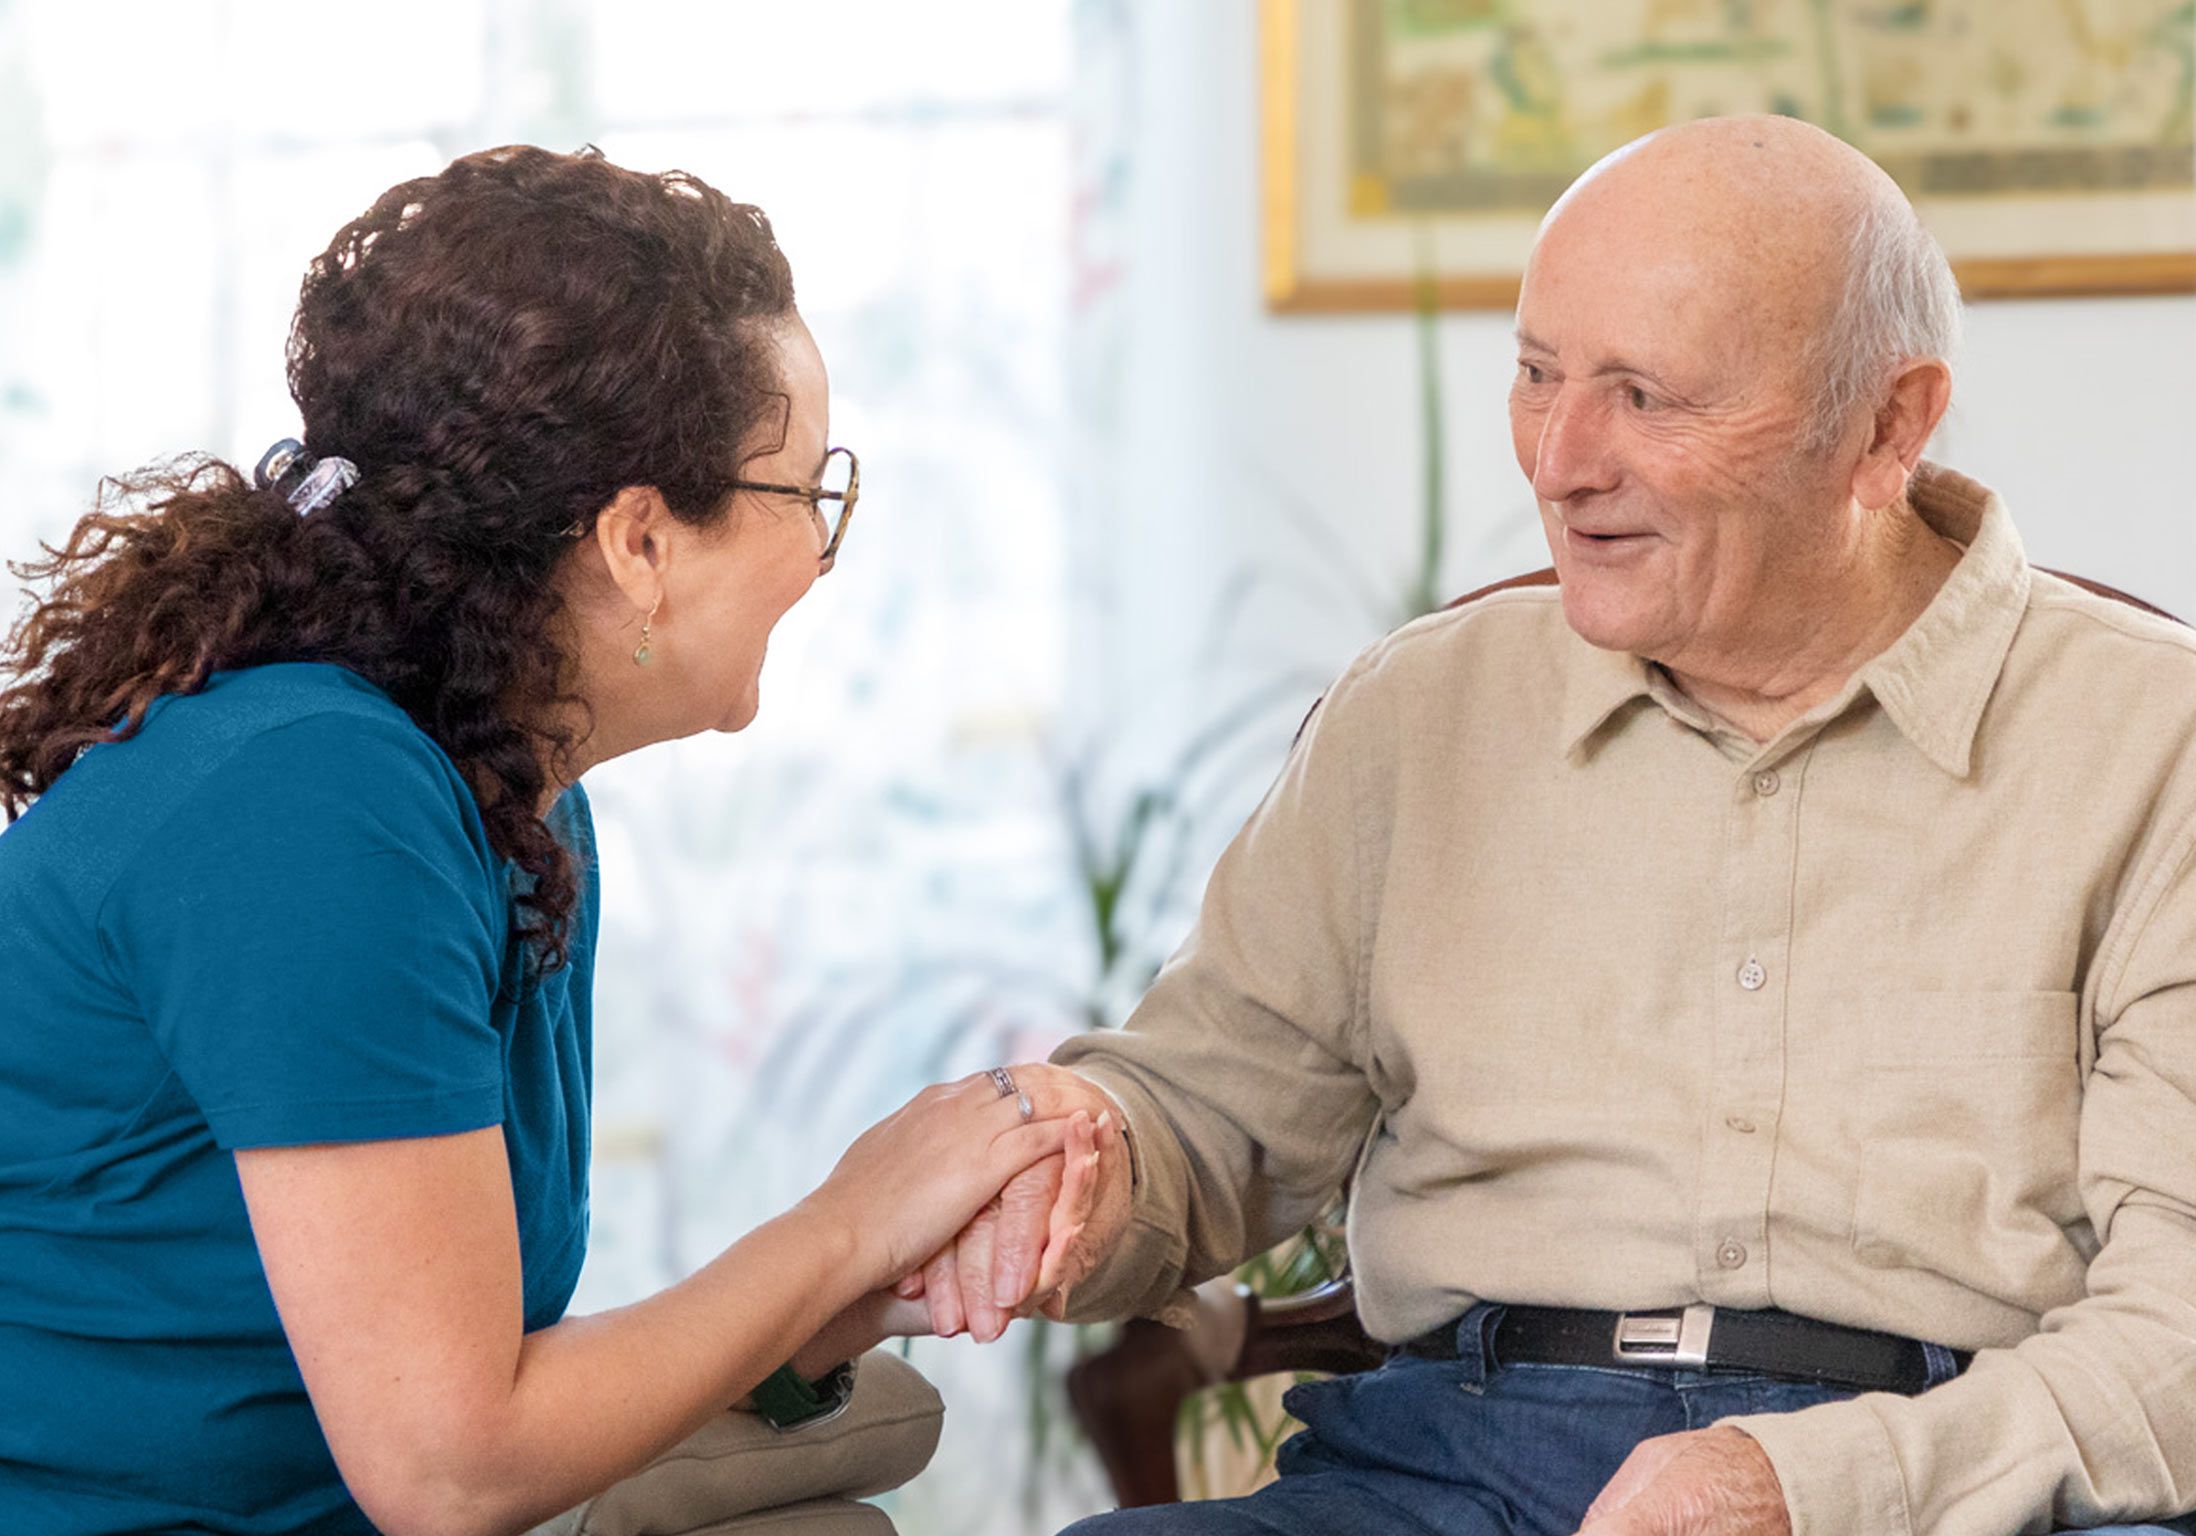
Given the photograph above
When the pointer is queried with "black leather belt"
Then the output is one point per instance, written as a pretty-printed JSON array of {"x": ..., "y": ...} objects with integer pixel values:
[{"x": 1769, "y": 1343}]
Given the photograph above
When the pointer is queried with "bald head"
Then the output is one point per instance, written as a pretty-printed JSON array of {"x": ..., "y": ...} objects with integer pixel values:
[
  {"x": 1775, "y": 182},
  {"x": 1795, "y": 237}
]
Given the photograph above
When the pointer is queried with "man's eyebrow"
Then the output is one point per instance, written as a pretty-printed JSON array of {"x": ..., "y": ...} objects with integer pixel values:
[
  {"x": 1611, "y": 365},
  {"x": 1608, "y": 365}
]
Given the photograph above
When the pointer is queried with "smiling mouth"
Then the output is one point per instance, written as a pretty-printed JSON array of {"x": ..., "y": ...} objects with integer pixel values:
[{"x": 1606, "y": 549}]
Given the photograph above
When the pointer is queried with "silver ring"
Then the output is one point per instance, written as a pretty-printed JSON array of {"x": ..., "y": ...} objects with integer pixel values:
[{"x": 1003, "y": 1080}]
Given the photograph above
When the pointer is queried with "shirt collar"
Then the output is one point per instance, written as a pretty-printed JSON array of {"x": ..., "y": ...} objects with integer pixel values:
[
  {"x": 1932, "y": 682},
  {"x": 1596, "y": 684}
]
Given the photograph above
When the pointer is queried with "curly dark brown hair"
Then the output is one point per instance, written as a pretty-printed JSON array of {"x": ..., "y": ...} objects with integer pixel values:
[{"x": 500, "y": 349}]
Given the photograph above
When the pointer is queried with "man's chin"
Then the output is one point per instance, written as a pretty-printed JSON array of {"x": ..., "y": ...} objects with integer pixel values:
[{"x": 1602, "y": 614}]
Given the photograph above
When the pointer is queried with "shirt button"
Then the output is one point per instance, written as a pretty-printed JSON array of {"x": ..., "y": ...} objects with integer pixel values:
[
  {"x": 1766, "y": 783},
  {"x": 1731, "y": 1255},
  {"x": 1739, "y": 1123},
  {"x": 1751, "y": 976}
]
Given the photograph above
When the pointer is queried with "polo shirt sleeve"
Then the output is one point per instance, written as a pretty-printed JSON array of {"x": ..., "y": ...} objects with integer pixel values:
[
  {"x": 314, "y": 936},
  {"x": 2091, "y": 1420}
]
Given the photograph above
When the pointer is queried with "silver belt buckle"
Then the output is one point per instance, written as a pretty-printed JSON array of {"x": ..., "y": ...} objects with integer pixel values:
[{"x": 1649, "y": 1339}]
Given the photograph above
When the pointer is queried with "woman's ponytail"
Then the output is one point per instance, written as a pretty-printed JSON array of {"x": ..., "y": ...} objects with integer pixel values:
[{"x": 168, "y": 578}]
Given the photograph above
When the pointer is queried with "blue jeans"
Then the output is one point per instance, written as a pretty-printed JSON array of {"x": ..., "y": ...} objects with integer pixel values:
[{"x": 1472, "y": 1448}]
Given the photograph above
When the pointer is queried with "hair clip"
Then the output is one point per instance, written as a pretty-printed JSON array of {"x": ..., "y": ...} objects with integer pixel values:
[{"x": 317, "y": 481}]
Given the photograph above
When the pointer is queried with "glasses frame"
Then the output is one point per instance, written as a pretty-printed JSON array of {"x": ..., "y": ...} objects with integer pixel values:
[{"x": 816, "y": 496}]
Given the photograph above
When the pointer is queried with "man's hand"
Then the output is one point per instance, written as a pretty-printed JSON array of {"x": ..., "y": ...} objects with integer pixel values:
[
  {"x": 961, "y": 1282},
  {"x": 1046, "y": 1231},
  {"x": 1709, "y": 1482}
]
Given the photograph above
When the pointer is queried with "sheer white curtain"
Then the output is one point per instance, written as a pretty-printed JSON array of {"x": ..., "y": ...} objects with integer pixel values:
[{"x": 872, "y": 887}]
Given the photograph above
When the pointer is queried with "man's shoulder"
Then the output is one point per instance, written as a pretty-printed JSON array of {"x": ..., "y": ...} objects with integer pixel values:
[
  {"x": 1494, "y": 629},
  {"x": 2086, "y": 638},
  {"x": 2108, "y": 686},
  {"x": 1494, "y": 663}
]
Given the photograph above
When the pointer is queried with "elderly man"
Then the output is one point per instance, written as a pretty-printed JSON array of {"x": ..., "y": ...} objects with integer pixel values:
[{"x": 1784, "y": 929}]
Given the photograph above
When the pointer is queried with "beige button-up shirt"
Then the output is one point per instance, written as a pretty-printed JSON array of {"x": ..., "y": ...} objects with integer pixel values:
[{"x": 1890, "y": 1021}]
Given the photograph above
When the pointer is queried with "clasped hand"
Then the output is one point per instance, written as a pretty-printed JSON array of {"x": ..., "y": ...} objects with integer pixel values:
[
  {"x": 957, "y": 1158},
  {"x": 1046, "y": 1230}
]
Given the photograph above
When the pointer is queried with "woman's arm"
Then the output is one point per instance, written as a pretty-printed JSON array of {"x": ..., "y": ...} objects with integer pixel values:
[{"x": 395, "y": 1267}]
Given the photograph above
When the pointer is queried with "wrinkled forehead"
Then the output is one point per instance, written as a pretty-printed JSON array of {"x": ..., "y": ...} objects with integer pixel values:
[{"x": 1662, "y": 266}]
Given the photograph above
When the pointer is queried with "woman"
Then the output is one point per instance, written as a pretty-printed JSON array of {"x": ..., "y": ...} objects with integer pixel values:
[{"x": 297, "y": 922}]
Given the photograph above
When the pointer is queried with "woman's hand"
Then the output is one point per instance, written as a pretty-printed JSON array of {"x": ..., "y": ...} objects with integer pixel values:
[
  {"x": 1048, "y": 1229},
  {"x": 921, "y": 1174}
]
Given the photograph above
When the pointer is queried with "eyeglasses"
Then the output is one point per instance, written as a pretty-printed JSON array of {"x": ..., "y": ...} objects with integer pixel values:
[{"x": 839, "y": 481}]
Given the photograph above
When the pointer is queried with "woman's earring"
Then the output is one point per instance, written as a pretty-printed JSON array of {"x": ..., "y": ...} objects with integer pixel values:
[{"x": 643, "y": 654}]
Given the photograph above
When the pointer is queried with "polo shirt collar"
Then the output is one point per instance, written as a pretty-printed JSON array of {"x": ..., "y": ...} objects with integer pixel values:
[{"x": 1933, "y": 681}]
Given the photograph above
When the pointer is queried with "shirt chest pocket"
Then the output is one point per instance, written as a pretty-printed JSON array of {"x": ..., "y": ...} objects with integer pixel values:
[{"x": 1968, "y": 1125}]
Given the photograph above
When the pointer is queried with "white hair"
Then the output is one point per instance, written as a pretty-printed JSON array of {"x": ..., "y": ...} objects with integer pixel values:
[{"x": 1900, "y": 303}]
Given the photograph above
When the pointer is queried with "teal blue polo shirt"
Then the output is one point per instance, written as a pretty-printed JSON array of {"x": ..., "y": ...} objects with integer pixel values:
[{"x": 271, "y": 918}]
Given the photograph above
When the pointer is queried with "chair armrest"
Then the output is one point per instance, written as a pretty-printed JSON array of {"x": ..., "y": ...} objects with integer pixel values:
[
  {"x": 1128, "y": 1397},
  {"x": 1316, "y": 1331}
]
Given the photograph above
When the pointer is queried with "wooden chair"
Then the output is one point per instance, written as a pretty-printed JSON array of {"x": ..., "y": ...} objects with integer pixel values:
[{"x": 1127, "y": 1397}]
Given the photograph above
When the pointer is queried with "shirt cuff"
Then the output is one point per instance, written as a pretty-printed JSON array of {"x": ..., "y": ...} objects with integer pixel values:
[
  {"x": 1120, "y": 1118},
  {"x": 1142, "y": 1275},
  {"x": 1837, "y": 1467},
  {"x": 1128, "y": 1283}
]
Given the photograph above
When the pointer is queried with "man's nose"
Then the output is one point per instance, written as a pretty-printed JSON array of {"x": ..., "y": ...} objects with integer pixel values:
[{"x": 1573, "y": 457}]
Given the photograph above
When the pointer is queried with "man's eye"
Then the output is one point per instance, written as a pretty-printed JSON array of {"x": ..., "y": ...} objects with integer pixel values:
[
  {"x": 1639, "y": 399},
  {"x": 1531, "y": 371}
]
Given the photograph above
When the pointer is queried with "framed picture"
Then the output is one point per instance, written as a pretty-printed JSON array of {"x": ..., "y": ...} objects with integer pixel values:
[{"x": 2050, "y": 145}]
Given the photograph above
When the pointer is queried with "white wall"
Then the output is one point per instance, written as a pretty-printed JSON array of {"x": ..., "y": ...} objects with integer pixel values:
[{"x": 2081, "y": 413}]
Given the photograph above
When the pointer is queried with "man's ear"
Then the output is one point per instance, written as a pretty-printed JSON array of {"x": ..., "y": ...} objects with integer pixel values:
[
  {"x": 629, "y": 533},
  {"x": 1909, "y": 413}
]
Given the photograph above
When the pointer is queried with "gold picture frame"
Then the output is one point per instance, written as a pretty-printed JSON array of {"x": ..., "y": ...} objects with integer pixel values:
[{"x": 2109, "y": 171}]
